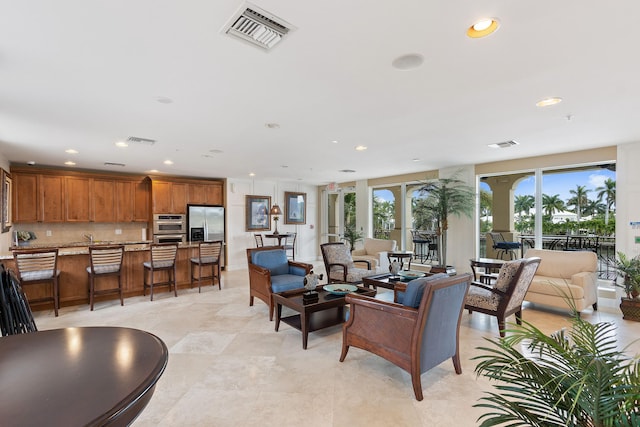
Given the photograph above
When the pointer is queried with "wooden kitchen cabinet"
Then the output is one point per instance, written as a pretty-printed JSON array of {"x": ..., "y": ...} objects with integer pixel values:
[
  {"x": 161, "y": 197},
  {"x": 205, "y": 194},
  {"x": 103, "y": 198},
  {"x": 78, "y": 200},
  {"x": 132, "y": 201},
  {"x": 51, "y": 196},
  {"x": 179, "y": 194},
  {"x": 25, "y": 198}
]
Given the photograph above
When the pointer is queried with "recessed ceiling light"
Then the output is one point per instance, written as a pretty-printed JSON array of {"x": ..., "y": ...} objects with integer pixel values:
[
  {"x": 121, "y": 144},
  {"x": 168, "y": 162},
  {"x": 71, "y": 151},
  {"x": 408, "y": 61},
  {"x": 252, "y": 174},
  {"x": 548, "y": 101},
  {"x": 334, "y": 141},
  {"x": 483, "y": 28},
  {"x": 153, "y": 171},
  {"x": 70, "y": 163},
  {"x": 361, "y": 147}
]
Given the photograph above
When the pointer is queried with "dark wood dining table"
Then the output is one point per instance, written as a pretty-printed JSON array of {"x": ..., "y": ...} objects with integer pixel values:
[
  {"x": 78, "y": 376},
  {"x": 278, "y": 236},
  {"x": 490, "y": 265}
]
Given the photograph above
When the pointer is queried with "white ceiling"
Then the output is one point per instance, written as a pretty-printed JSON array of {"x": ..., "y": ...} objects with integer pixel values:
[{"x": 84, "y": 74}]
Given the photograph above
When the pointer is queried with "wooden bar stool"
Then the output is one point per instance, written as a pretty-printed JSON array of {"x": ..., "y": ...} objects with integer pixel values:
[
  {"x": 37, "y": 266},
  {"x": 208, "y": 255},
  {"x": 163, "y": 258},
  {"x": 105, "y": 261}
]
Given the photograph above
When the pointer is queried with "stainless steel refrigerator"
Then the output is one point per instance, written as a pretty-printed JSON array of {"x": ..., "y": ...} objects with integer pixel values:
[{"x": 205, "y": 222}]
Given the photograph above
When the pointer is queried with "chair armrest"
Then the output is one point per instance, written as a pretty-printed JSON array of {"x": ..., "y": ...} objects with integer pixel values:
[
  {"x": 362, "y": 260},
  {"x": 397, "y": 288},
  {"x": 389, "y": 307},
  {"x": 344, "y": 271},
  {"x": 587, "y": 280},
  {"x": 488, "y": 288},
  {"x": 256, "y": 269},
  {"x": 306, "y": 268},
  {"x": 260, "y": 279}
]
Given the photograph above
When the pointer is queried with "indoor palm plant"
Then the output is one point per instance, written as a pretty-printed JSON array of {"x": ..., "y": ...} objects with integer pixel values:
[
  {"x": 352, "y": 236},
  {"x": 446, "y": 197},
  {"x": 578, "y": 378},
  {"x": 628, "y": 268}
]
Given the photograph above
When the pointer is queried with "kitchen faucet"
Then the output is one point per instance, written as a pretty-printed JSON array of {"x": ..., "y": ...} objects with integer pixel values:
[{"x": 88, "y": 237}]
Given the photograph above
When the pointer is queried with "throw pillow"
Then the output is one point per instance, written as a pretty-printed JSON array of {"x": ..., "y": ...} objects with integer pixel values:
[{"x": 415, "y": 289}]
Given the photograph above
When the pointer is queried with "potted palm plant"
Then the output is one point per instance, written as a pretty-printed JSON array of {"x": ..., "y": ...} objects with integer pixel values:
[
  {"x": 628, "y": 268},
  {"x": 579, "y": 378},
  {"x": 352, "y": 236},
  {"x": 446, "y": 197}
]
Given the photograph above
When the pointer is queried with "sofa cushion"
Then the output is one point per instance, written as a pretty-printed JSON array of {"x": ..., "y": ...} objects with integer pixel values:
[
  {"x": 556, "y": 287},
  {"x": 373, "y": 246},
  {"x": 275, "y": 260},
  {"x": 415, "y": 289},
  {"x": 286, "y": 282}
]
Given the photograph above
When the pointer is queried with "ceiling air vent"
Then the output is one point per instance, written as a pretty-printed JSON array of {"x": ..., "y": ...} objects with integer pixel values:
[
  {"x": 505, "y": 144},
  {"x": 138, "y": 140},
  {"x": 256, "y": 26},
  {"x": 114, "y": 164}
]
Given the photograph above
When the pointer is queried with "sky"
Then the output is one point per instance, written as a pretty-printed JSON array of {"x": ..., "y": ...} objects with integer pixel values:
[{"x": 552, "y": 184}]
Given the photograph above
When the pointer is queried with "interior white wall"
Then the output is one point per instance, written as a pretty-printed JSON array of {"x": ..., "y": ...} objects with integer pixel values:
[
  {"x": 462, "y": 230},
  {"x": 627, "y": 199},
  {"x": 238, "y": 239}
]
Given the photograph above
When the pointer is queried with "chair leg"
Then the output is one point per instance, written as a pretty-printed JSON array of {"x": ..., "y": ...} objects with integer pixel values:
[
  {"x": 595, "y": 307},
  {"x": 199, "y": 277},
  {"x": 151, "y": 285},
  {"x": 175, "y": 285},
  {"x": 501, "y": 326},
  {"x": 456, "y": 363},
  {"x": 417, "y": 385},
  {"x": 217, "y": 266},
  {"x": 120, "y": 288},
  {"x": 345, "y": 350},
  {"x": 519, "y": 317},
  {"x": 250, "y": 300},
  {"x": 91, "y": 291},
  {"x": 56, "y": 295}
]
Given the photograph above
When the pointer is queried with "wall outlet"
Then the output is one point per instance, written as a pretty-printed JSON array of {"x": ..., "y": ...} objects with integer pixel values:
[
  {"x": 48, "y": 233},
  {"x": 118, "y": 231}
]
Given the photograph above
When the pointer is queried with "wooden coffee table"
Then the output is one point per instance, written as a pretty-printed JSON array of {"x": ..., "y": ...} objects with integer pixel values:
[
  {"x": 383, "y": 280},
  {"x": 328, "y": 311}
]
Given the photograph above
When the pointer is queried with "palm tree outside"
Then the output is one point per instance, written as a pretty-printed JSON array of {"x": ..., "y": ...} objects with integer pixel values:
[
  {"x": 552, "y": 204},
  {"x": 608, "y": 193},
  {"x": 579, "y": 199}
]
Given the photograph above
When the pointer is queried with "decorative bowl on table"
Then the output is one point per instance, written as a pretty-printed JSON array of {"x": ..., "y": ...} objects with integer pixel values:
[
  {"x": 408, "y": 275},
  {"x": 340, "y": 289}
]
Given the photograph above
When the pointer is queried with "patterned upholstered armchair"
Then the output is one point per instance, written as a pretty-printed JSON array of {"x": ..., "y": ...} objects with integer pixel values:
[
  {"x": 505, "y": 297},
  {"x": 340, "y": 266},
  {"x": 270, "y": 271}
]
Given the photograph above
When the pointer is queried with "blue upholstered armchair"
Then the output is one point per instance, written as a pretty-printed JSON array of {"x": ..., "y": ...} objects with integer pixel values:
[
  {"x": 271, "y": 271},
  {"x": 416, "y": 335}
]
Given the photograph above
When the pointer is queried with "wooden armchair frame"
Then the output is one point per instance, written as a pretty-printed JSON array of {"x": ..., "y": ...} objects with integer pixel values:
[
  {"x": 344, "y": 267},
  {"x": 260, "y": 278},
  {"x": 409, "y": 337}
]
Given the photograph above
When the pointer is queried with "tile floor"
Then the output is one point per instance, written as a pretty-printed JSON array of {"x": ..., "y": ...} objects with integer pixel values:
[{"x": 227, "y": 366}]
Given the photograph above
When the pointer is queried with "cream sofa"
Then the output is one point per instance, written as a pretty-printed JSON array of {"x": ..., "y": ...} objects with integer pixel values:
[
  {"x": 573, "y": 273},
  {"x": 375, "y": 251}
]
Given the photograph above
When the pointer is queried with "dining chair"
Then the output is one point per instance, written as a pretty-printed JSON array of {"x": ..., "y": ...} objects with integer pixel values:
[
  {"x": 290, "y": 245},
  {"x": 163, "y": 259},
  {"x": 502, "y": 247},
  {"x": 105, "y": 261},
  {"x": 208, "y": 255},
  {"x": 38, "y": 266}
]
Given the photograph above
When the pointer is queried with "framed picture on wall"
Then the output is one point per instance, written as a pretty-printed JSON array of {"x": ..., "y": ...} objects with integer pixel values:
[
  {"x": 295, "y": 208},
  {"x": 7, "y": 188},
  {"x": 257, "y": 212}
]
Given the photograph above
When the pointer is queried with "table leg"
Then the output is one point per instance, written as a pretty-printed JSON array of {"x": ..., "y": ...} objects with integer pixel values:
[
  {"x": 278, "y": 314},
  {"x": 304, "y": 324}
]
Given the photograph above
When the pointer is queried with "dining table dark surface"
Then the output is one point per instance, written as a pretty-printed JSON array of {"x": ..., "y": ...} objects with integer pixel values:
[{"x": 78, "y": 376}]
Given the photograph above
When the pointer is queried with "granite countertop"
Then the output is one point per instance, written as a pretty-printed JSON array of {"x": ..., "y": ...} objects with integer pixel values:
[{"x": 82, "y": 248}]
